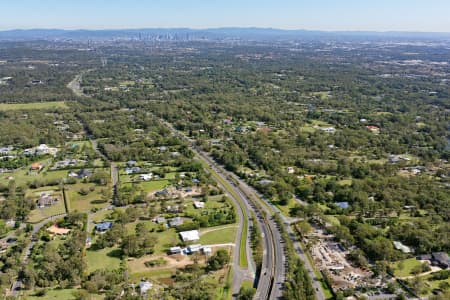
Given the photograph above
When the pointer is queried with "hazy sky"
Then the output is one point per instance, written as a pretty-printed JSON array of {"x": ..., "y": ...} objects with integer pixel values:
[{"x": 379, "y": 15}]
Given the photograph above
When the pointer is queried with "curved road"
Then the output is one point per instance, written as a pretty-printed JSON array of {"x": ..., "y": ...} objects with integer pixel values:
[
  {"x": 15, "y": 287},
  {"x": 270, "y": 282}
]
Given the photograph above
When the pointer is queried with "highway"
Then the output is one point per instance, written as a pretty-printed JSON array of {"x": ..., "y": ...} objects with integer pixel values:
[
  {"x": 239, "y": 274},
  {"x": 320, "y": 295},
  {"x": 270, "y": 282},
  {"x": 272, "y": 275}
]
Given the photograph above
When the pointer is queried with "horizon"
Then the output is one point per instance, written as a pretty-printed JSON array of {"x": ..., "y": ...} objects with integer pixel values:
[
  {"x": 220, "y": 28},
  {"x": 322, "y": 15}
]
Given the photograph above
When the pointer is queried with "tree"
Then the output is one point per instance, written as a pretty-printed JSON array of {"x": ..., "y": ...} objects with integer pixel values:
[
  {"x": 246, "y": 293},
  {"x": 218, "y": 260}
]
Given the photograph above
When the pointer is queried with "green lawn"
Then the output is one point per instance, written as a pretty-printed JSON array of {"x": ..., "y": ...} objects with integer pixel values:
[
  {"x": 102, "y": 259},
  {"x": 166, "y": 239},
  {"x": 39, "y": 214},
  {"x": 286, "y": 208},
  {"x": 33, "y": 105},
  {"x": 154, "y": 185},
  {"x": 345, "y": 182},
  {"x": 52, "y": 175},
  {"x": 152, "y": 274},
  {"x": 84, "y": 203},
  {"x": 63, "y": 294},
  {"x": 243, "y": 261},
  {"x": 408, "y": 265},
  {"x": 22, "y": 176},
  {"x": 149, "y": 225},
  {"x": 219, "y": 235}
]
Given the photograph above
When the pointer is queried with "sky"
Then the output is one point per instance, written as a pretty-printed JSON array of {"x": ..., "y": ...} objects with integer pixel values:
[{"x": 330, "y": 15}]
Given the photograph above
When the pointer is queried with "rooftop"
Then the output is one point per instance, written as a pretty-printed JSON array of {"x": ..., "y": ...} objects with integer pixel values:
[{"x": 191, "y": 235}]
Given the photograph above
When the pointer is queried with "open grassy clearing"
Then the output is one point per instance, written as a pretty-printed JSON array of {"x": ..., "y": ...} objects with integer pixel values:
[
  {"x": 285, "y": 208},
  {"x": 218, "y": 235},
  {"x": 154, "y": 185},
  {"x": 84, "y": 203},
  {"x": 149, "y": 225},
  {"x": 102, "y": 259},
  {"x": 153, "y": 274},
  {"x": 166, "y": 239},
  {"x": 171, "y": 263},
  {"x": 39, "y": 214},
  {"x": 408, "y": 265},
  {"x": 24, "y": 175},
  {"x": 33, "y": 105},
  {"x": 243, "y": 260},
  {"x": 56, "y": 294}
]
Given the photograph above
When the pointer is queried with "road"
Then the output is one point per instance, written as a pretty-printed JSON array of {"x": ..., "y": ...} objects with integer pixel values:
[
  {"x": 239, "y": 274},
  {"x": 15, "y": 288},
  {"x": 271, "y": 280},
  {"x": 114, "y": 170},
  {"x": 74, "y": 85},
  {"x": 320, "y": 295}
]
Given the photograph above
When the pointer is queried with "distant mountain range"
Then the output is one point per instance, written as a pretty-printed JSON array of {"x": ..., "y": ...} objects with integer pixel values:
[{"x": 213, "y": 33}]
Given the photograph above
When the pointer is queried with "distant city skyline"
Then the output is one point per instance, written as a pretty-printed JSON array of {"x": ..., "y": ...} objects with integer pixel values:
[{"x": 326, "y": 15}]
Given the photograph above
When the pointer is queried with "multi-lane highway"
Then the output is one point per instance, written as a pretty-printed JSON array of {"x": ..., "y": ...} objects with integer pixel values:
[{"x": 273, "y": 268}]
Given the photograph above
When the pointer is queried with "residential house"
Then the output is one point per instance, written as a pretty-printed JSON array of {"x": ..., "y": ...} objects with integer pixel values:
[
  {"x": 159, "y": 220},
  {"x": 207, "y": 250},
  {"x": 131, "y": 163},
  {"x": 57, "y": 230},
  {"x": 162, "y": 193},
  {"x": 193, "y": 248},
  {"x": 103, "y": 227},
  {"x": 84, "y": 173},
  {"x": 36, "y": 167},
  {"x": 177, "y": 221},
  {"x": 145, "y": 286},
  {"x": 175, "y": 250},
  {"x": 146, "y": 177},
  {"x": 439, "y": 259},
  {"x": 343, "y": 205},
  {"x": 46, "y": 200},
  {"x": 199, "y": 204},
  {"x": 6, "y": 150},
  {"x": 399, "y": 246}
]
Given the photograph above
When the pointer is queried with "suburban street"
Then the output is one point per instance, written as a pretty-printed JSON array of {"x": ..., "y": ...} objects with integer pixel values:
[{"x": 15, "y": 288}]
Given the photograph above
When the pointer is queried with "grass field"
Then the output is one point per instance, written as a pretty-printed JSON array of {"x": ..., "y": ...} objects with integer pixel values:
[
  {"x": 56, "y": 294},
  {"x": 33, "y": 105},
  {"x": 154, "y": 185},
  {"x": 153, "y": 274},
  {"x": 83, "y": 203},
  {"x": 102, "y": 259},
  {"x": 38, "y": 214},
  {"x": 166, "y": 239},
  {"x": 408, "y": 265},
  {"x": 243, "y": 260},
  {"x": 286, "y": 208},
  {"x": 218, "y": 235},
  {"x": 22, "y": 176}
]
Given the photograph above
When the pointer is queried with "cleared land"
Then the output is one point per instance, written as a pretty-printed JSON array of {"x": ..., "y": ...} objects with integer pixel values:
[
  {"x": 102, "y": 259},
  {"x": 404, "y": 267},
  {"x": 219, "y": 235},
  {"x": 33, "y": 105}
]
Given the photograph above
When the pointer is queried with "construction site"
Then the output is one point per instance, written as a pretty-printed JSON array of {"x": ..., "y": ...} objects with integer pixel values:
[{"x": 330, "y": 258}]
